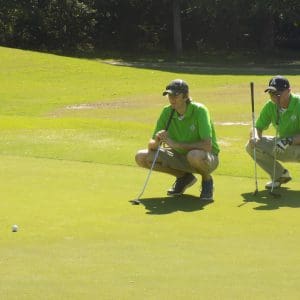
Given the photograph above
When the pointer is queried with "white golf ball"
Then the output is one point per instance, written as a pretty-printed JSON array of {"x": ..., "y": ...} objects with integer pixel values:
[{"x": 14, "y": 228}]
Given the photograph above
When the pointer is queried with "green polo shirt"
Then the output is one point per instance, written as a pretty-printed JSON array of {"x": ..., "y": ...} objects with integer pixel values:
[
  {"x": 194, "y": 126},
  {"x": 289, "y": 119}
]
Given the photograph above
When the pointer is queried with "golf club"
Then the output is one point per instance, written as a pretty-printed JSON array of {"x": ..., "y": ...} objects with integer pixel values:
[
  {"x": 272, "y": 193},
  {"x": 254, "y": 133},
  {"x": 137, "y": 200}
]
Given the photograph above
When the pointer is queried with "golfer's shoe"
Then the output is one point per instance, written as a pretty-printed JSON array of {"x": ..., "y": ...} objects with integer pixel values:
[
  {"x": 207, "y": 192},
  {"x": 284, "y": 178},
  {"x": 181, "y": 184}
]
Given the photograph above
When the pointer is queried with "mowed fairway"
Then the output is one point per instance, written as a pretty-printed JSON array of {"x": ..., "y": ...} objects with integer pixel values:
[{"x": 69, "y": 129}]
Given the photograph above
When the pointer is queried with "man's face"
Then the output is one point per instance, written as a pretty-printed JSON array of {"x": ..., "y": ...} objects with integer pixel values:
[
  {"x": 177, "y": 101},
  {"x": 279, "y": 96}
]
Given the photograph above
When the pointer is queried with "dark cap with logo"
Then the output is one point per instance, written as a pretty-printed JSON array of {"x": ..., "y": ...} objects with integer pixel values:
[
  {"x": 176, "y": 87},
  {"x": 278, "y": 84}
]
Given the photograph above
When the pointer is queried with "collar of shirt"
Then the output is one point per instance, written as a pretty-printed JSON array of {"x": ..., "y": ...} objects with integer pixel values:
[{"x": 188, "y": 112}]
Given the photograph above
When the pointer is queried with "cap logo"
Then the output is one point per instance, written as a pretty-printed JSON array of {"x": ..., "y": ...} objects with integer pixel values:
[{"x": 273, "y": 82}]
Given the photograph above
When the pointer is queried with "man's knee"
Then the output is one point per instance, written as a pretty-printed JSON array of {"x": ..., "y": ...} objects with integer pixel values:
[
  {"x": 261, "y": 148},
  {"x": 141, "y": 158},
  {"x": 249, "y": 148},
  {"x": 195, "y": 157}
]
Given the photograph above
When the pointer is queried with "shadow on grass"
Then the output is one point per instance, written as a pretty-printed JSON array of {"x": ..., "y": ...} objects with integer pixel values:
[
  {"x": 288, "y": 198},
  {"x": 167, "y": 205},
  {"x": 207, "y": 69},
  {"x": 210, "y": 62},
  {"x": 219, "y": 62}
]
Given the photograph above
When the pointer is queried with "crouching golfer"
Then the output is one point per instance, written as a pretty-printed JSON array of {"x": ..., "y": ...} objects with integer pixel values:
[
  {"x": 189, "y": 144},
  {"x": 283, "y": 111}
]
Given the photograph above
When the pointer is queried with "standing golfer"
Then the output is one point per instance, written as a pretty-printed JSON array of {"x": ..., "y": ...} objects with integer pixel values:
[
  {"x": 282, "y": 110},
  {"x": 189, "y": 144}
]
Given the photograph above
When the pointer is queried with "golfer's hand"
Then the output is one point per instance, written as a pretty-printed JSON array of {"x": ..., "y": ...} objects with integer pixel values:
[
  {"x": 283, "y": 144},
  {"x": 254, "y": 137},
  {"x": 254, "y": 141},
  {"x": 162, "y": 136}
]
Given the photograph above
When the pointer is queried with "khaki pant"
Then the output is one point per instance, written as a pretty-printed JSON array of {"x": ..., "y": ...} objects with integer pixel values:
[
  {"x": 174, "y": 160},
  {"x": 265, "y": 155}
]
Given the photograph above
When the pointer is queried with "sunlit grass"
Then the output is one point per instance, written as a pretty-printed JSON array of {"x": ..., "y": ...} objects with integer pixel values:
[{"x": 69, "y": 129}]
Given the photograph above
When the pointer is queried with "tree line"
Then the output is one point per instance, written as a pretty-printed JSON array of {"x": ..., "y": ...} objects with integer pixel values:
[{"x": 150, "y": 25}]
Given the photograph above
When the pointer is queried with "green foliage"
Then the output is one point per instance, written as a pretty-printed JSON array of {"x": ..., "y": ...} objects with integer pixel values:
[
  {"x": 48, "y": 24},
  {"x": 135, "y": 26}
]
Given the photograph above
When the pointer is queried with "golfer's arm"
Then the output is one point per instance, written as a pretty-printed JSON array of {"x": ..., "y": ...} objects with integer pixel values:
[{"x": 205, "y": 145}]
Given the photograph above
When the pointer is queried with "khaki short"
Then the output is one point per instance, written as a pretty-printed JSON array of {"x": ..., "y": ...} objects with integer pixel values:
[
  {"x": 264, "y": 151},
  {"x": 174, "y": 160}
]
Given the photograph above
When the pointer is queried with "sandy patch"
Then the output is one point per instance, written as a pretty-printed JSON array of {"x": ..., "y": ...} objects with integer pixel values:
[
  {"x": 232, "y": 123},
  {"x": 100, "y": 105}
]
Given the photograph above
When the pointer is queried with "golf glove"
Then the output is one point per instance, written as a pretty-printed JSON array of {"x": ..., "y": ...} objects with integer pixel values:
[{"x": 282, "y": 144}]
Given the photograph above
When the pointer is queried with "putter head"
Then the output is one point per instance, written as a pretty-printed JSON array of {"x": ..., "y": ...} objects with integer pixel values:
[
  {"x": 135, "y": 202},
  {"x": 255, "y": 192}
]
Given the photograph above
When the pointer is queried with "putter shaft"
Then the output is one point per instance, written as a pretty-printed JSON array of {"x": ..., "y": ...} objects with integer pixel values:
[{"x": 137, "y": 200}]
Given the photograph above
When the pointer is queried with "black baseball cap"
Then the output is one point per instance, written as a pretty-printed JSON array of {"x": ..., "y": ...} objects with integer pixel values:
[
  {"x": 176, "y": 87},
  {"x": 278, "y": 84}
]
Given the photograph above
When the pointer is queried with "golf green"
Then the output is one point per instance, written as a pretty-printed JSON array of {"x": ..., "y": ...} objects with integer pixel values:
[{"x": 80, "y": 238}]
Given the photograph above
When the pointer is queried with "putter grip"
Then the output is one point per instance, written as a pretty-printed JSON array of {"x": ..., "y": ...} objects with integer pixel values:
[
  {"x": 170, "y": 119},
  {"x": 252, "y": 95}
]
